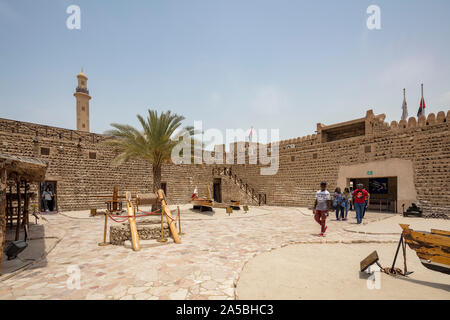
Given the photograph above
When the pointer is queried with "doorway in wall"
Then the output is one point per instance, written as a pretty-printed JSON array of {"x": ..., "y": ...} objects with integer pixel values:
[
  {"x": 382, "y": 190},
  {"x": 51, "y": 187},
  {"x": 217, "y": 190}
]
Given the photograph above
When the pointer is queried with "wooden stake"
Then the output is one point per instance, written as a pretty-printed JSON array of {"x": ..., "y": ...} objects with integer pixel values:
[
  {"x": 2, "y": 211},
  {"x": 161, "y": 237},
  {"x": 179, "y": 221},
  {"x": 132, "y": 222},
  {"x": 19, "y": 208},
  {"x": 115, "y": 199},
  {"x": 169, "y": 218},
  {"x": 104, "y": 243}
]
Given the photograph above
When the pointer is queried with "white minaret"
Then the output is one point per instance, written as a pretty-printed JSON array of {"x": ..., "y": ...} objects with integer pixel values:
[{"x": 82, "y": 96}]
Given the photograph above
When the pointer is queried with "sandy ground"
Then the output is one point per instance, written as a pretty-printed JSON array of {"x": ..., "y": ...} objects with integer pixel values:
[
  {"x": 331, "y": 271},
  {"x": 391, "y": 225}
]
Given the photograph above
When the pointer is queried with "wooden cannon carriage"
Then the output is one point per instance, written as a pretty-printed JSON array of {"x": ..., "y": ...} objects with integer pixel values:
[{"x": 432, "y": 248}]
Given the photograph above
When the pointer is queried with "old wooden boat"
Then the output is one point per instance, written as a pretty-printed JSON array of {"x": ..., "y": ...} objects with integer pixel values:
[
  {"x": 432, "y": 248},
  {"x": 235, "y": 204},
  {"x": 203, "y": 204}
]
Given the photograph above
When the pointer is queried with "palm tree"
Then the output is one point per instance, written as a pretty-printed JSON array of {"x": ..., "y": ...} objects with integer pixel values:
[{"x": 153, "y": 143}]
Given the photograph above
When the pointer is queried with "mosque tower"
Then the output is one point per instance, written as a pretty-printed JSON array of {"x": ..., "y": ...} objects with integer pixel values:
[{"x": 83, "y": 97}]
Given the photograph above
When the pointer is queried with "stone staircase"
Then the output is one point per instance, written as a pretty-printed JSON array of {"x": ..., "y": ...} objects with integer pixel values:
[{"x": 257, "y": 198}]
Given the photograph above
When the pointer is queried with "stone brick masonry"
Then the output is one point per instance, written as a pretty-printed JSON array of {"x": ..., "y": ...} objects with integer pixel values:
[{"x": 83, "y": 167}]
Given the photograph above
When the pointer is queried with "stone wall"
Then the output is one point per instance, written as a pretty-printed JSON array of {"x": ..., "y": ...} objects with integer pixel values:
[
  {"x": 83, "y": 167},
  {"x": 304, "y": 162}
]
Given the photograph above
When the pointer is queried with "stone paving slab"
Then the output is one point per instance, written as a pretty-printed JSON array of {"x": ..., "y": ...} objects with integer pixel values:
[
  {"x": 187, "y": 212},
  {"x": 205, "y": 266}
]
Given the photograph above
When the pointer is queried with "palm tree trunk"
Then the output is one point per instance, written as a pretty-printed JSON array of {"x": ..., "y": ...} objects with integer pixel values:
[
  {"x": 156, "y": 184},
  {"x": 156, "y": 178}
]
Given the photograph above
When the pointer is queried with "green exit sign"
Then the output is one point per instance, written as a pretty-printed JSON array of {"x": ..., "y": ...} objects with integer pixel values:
[{"x": 369, "y": 173}]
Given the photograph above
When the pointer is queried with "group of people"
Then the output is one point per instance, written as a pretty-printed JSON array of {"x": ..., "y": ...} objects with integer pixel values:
[{"x": 341, "y": 202}]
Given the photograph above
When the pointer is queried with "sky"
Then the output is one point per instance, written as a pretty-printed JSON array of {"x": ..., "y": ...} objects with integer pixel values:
[{"x": 281, "y": 64}]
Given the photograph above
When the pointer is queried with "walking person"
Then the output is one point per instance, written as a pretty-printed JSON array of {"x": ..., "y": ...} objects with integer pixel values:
[
  {"x": 338, "y": 204},
  {"x": 351, "y": 202},
  {"x": 366, "y": 204},
  {"x": 348, "y": 201},
  {"x": 359, "y": 201},
  {"x": 322, "y": 205}
]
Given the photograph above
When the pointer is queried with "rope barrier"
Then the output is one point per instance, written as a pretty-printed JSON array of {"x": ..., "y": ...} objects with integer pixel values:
[
  {"x": 147, "y": 213},
  {"x": 118, "y": 220},
  {"x": 137, "y": 215},
  {"x": 125, "y": 218},
  {"x": 172, "y": 219}
]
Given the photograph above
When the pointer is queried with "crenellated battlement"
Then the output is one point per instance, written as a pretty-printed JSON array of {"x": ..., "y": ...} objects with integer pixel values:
[{"x": 38, "y": 131}]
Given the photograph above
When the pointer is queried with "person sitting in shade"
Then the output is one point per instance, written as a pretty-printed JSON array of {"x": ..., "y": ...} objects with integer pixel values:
[{"x": 47, "y": 195}]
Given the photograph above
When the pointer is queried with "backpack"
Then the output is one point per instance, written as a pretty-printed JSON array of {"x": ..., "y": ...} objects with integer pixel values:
[{"x": 337, "y": 201}]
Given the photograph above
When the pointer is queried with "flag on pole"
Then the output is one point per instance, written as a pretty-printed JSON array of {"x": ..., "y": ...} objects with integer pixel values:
[
  {"x": 195, "y": 193},
  {"x": 250, "y": 136},
  {"x": 404, "y": 107},
  {"x": 422, "y": 105}
]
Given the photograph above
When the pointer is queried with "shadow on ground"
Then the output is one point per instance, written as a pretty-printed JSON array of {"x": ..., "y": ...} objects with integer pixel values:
[{"x": 37, "y": 249}]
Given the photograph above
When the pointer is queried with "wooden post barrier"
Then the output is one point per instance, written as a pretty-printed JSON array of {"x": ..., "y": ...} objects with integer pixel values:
[
  {"x": 179, "y": 221},
  {"x": 170, "y": 221},
  {"x": 132, "y": 222},
  {"x": 161, "y": 237},
  {"x": 104, "y": 243}
]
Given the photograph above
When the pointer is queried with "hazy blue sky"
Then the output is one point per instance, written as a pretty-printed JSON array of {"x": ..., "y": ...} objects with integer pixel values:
[{"x": 232, "y": 64}]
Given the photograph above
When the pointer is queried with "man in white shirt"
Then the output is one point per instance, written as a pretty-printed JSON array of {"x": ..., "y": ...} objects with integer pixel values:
[{"x": 322, "y": 205}]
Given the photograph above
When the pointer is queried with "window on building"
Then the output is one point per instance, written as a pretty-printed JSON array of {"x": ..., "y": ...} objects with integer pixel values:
[
  {"x": 292, "y": 158},
  {"x": 314, "y": 155},
  {"x": 45, "y": 151},
  {"x": 84, "y": 126},
  {"x": 92, "y": 155},
  {"x": 368, "y": 149}
]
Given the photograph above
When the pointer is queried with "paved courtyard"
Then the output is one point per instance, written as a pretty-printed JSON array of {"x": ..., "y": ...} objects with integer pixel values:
[{"x": 207, "y": 265}]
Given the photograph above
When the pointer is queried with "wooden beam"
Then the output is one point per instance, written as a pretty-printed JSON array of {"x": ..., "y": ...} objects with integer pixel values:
[
  {"x": 132, "y": 221},
  {"x": 2, "y": 211},
  {"x": 19, "y": 207},
  {"x": 26, "y": 202},
  {"x": 115, "y": 198}
]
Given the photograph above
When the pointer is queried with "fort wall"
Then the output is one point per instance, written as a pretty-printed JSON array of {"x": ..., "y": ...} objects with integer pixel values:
[{"x": 83, "y": 167}]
